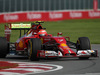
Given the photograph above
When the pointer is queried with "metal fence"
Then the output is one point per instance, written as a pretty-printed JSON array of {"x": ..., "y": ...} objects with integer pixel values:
[{"x": 45, "y": 5}]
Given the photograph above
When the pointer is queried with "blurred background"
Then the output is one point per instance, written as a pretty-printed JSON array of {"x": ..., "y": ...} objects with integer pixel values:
[
  {"x": 45, "y": 5},
  {"x": 74, "y": 18}
]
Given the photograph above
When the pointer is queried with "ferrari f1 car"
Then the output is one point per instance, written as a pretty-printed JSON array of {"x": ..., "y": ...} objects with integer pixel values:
[{"x": 36, "y": 43}]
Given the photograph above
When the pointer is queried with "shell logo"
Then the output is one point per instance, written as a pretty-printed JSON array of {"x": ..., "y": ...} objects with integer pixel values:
[
  {"x": 63, "y": 44},
  {"x": 92, "y": 51},
  {"x": 21, "y": 44}
]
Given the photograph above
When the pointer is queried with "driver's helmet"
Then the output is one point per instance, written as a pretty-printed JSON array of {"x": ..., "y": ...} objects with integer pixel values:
[{"x": 42, "y": 32}]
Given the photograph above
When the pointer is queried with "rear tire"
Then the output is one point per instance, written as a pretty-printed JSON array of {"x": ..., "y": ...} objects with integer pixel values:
[
  {"x": 33, "y": 47},
  {"x": 83, "y": 43},
  {"x": 4, "y": 47}
]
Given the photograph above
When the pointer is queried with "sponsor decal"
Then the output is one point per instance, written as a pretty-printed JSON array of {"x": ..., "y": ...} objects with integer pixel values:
[
  {"x": 41, "y": 40},
  {"x": 91, "y": 51},
  {"x": 60, "y": 40},
  {"x": 63, "y": 44},
  {"x": 8, "y": 17},
  {"x": 21, "y": 44},
  {"x": 59, "y": 53},
  {"x": 34, "y": 16},
  {"x": 55, "y": 15},
  {"x": 47, "y": 39},
  {"x": 94, "y": 14},
  {"x": 75, "y": 14},
  {"x": 21, "y": 25},
  {"x": 42, "y": 53},
  {"x": 7, "y": 31},
  {"x": 83, "y": 52},
  {"x": 51, "y": 53}
]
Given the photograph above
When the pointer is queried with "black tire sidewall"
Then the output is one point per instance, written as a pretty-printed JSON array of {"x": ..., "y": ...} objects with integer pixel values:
[
  {"x": 83, "y": 43},
  {"x": 4, "y": 47},
  {"x": 35, "y": 45}
]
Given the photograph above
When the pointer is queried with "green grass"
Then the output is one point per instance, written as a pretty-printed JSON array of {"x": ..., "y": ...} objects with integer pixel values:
[{"x": 72, "y": 28}]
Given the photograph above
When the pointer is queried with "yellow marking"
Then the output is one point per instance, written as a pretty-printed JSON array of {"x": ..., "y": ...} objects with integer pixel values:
[
  {"x": 63, "y": 44},
  {"x": 39, "y": 21},
  {"x": 92, "y": 51},
  {"x": 21, "y": 44},
  {"x": 42, "y": 40},
  {"x": 78, "y": 41},
  {"x": 46, "y": 52},
  {"x": 28, "y": 33}
]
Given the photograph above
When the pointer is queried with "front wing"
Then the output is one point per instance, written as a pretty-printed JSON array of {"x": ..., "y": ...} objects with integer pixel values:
[{"x": 79, "y": 53}]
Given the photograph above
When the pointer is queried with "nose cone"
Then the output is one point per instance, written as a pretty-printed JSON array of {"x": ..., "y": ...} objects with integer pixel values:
[{"x": 65, "y": 49}]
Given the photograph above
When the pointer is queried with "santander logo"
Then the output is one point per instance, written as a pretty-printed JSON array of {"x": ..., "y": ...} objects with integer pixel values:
[
  {"x": 75, "y": 14},
  {"x": 55, "y": 15},
  {"x": 94, "y": 14},
  {"x": 34, "y": 16},
  {"x": 8, "y": 17}
]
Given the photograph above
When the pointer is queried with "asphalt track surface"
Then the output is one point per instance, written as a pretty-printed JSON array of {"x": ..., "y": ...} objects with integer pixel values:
[{"x": 71, "y": 66}]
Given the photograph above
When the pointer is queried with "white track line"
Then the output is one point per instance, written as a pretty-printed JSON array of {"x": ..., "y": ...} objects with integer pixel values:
[{"x": 32, "y": 67}]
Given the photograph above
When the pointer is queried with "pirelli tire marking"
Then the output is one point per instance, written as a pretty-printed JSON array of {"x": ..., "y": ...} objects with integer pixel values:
[{"x": 26, "y": 68}]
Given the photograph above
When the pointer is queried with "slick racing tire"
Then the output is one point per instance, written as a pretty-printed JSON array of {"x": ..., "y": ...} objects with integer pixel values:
[
  {"x": 33, "y": 47},
  {"x": 4, "y": 47},
  {"x": 83, "y": 43}
]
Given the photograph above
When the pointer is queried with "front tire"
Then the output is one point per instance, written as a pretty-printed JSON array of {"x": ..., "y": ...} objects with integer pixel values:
[
  {"x": 4, "y": 47},
  {"x": 83, "y": 43},
  {"x": 33, "y": 47}
]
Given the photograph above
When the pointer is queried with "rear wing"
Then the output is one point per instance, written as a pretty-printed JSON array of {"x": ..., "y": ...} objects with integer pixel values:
[
  {"x": 21, "y": 26},
  {"x": 17, "y": 26}
]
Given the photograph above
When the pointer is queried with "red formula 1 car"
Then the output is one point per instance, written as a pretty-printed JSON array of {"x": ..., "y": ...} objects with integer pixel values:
[{"x": 36, "y": 43}]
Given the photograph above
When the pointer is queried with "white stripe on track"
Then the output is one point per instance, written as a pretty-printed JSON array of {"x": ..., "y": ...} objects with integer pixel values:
[
  {"x": 37, "y": 66},
  {"x": 9, "y": 73},
  {"x": 25, "y": 69}
]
